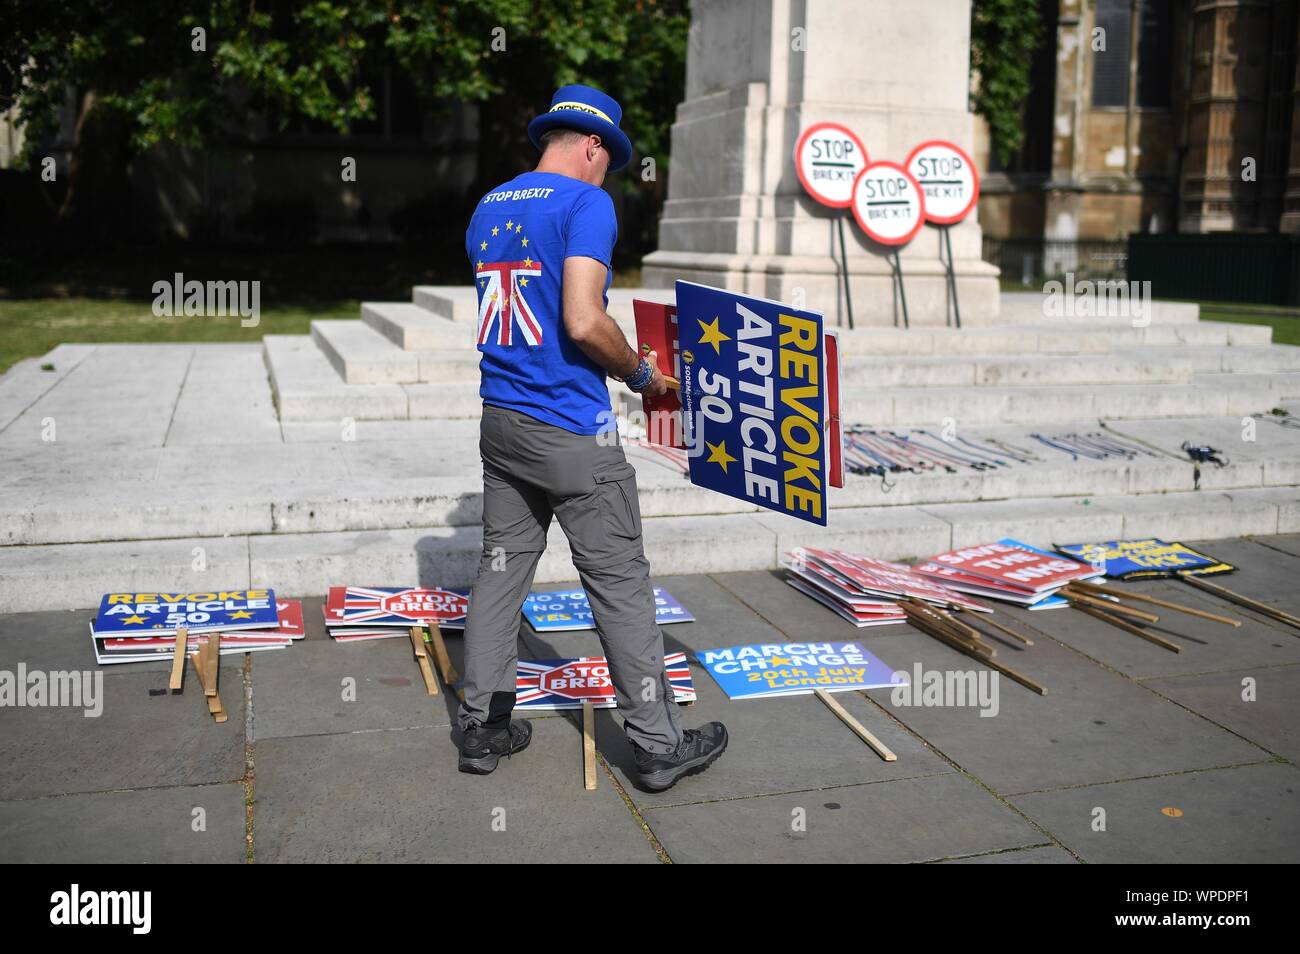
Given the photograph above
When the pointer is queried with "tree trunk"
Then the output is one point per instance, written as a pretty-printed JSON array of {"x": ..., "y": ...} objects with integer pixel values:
[{"x": 96, "y": 209}]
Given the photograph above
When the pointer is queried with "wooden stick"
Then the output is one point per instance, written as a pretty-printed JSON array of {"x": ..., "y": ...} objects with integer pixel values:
[
  {"x": 1002, "y": 629},
  {"x": 422, "y": 660},
  {"x": 974, "y": 653},
  {"x": 1240, "y": 600},
  {"x": 588, "y": 747},
  {"x": 1118, "y": 609},
  {"x": 927, "y": 615},
  {"x": 860, "y": 730},
  {"x": 215, "y": 708},
  {"x": 1143, "y": 598},
  {"x": 212, "y": 666},
  {"x": 449, "y": 674},
  {"x": 178, "y": 659},
  {"x": 1128, "y": 627}
]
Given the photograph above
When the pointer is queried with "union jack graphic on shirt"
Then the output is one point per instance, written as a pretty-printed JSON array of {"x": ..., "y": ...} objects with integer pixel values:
[
  {"x": 503, "y": 286},
  {"x": 568, "y": 683}
]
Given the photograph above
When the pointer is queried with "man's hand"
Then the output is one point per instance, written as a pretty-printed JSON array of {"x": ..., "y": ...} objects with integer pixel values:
[{"x": 657, "y": 385}]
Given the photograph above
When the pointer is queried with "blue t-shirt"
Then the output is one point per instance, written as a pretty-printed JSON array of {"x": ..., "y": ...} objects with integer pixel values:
[{"x": 517, "y": 242}]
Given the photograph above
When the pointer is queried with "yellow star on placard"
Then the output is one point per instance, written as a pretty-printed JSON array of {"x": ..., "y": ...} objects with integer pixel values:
[
  {"x": 495, "y": 230},
  {"x": 509, "y": 224},
  {"x": 718, "y": 455},
  {"x": 241, "y": 614},
  {"x": 779, "y": 661},
  {"x": 482, "y": 246},
  {"x": 134, "y": 619},
  {"x": 524, "y": 242},
  {"x": 712, "y": 335}
]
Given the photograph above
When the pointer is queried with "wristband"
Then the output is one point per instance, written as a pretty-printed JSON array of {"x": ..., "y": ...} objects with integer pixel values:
[{"x": 640, "y": 379}]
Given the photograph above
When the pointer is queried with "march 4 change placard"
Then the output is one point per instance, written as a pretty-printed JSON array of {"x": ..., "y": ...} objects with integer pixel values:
[{"x": 754, "y": 399}]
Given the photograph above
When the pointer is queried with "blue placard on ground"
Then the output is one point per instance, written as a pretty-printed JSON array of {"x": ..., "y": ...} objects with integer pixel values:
[
  {"x": 561, "y": 611},
  {"x": 1139, "y": 558},
  {"x": 753, "y": 390},
  {"x": 152, "y": 614},
  {"x": 795, "y": 669}
]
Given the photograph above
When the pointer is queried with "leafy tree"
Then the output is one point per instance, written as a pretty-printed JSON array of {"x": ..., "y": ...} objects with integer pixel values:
[
  {"x": 1004, "y": 35},
  {"x": 141, "y": 81}
]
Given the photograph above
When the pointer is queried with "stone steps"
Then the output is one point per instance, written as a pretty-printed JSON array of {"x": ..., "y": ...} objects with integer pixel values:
[
  {"x": 981, "y": 371},
  {"x": 74, "y": 576}
]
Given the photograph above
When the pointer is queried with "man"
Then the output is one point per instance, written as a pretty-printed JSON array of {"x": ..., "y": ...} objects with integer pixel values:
[{"x": 541, "y": 247}]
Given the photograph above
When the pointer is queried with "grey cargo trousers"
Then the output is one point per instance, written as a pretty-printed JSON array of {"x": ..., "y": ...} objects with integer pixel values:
[{"x": 532, "y": 470}]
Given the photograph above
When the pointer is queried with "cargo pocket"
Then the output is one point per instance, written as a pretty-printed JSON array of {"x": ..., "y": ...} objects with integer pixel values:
[{"x": 616, "y": 494}]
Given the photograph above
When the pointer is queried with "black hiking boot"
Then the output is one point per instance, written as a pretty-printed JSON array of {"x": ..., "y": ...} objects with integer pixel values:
[
  {"x": 696, "y": 752},
  {"x": 481, "y": 748}
]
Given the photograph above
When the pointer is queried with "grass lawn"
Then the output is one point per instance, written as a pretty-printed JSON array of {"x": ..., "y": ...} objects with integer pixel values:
[
  {"x": 32, "y": 326},
  {"x": 1286, "y": 329}
]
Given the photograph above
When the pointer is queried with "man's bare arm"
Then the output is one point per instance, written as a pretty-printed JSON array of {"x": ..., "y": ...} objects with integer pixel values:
[{"x": 592, "y": 330}]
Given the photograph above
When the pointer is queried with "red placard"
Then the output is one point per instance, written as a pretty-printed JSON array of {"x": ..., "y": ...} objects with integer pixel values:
[
  {"x": 827, "y": 159},
  {"x": 888, "y": 204},
  {"x": 947, "y": 177},
  {"x": 656, "y": 330},
  {"x": 1015, "y": 566}
]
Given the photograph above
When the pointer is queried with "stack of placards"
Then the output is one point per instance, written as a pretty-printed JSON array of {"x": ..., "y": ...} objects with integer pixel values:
[
  {"x": 568, "y": 683},
  {"x": 1008, "y": 570},
  {"x": 359, "y": 613},
  {"x": 560, "y": 611},
  {"x": 141, "y": 627},
  {"x": 865, "y": 590}
]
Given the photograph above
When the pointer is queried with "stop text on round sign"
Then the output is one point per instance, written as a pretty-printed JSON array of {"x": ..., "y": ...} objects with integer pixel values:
[
  {"x": 888, "y": 203},
  {"x": 828, "y": 157},
  {"x": 948, "y": 178}
]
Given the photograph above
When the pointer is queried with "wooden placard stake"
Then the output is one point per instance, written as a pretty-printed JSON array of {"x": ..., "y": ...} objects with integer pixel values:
[
  {"x": 979, "y": 653},
  {"x": 422, "y": 660},
  {"x": 212, "y": 667},
  {"x": 178, "y": 659},
  {"x": 1109, "y": 606},
  {"x": 1128, "y": 627},
  {"x": 1234, "y": 597},
  {"x": 215, "y": 708},
  {"x": 1006, "y": 630},
  {"x": 449, "y": 674},
  {"x": 588, "y": 747},
  {"x": 860, "y": 730},
  {"x": 1154, "y": 601}
]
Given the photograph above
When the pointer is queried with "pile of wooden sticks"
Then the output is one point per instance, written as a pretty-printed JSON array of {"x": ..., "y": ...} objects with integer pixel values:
[
  {"x": 965, "y": 638},
  {"x": 1104, "y": 603}
]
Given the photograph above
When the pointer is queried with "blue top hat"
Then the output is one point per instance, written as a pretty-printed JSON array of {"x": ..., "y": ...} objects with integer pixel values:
[{"x": 588, "y": 110}]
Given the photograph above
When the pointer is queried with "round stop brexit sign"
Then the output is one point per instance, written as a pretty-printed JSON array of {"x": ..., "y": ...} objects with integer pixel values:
[
  {"x": 948, "y": 179},
  {"x": 888, "y": 203},
  {"x": 426, "y": 604},
  {"x": 586, "y": 679},
  {"x": 828, "y": 157}
]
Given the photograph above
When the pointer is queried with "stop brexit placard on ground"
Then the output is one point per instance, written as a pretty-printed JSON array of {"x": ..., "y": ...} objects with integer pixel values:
[
  {"x": 754, "y": 394},
  {"x": 568, "y": 683},
  {"x": 371, "y": 606}
]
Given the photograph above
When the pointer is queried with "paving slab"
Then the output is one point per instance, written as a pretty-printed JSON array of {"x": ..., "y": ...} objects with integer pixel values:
[
  {"x": 1285, "y": 542},
  {"x": 225, "y": 398},
  {"x": 1244, "y": 814},
  {"x": 907, "y": 820},
  {"x": 1268, "y": 720},
  {"x": 27, "y": 381},
  {"x": 1042, "y": 855},
  {"x": 300, "y": 691},
  {"x": 1206, "y": 646},
  {"x": 144, "y": 738},
  {"x": 1266, "y": 573},
  {"x": 153, "y": 826},
  {"x": 397, "y": 796}
]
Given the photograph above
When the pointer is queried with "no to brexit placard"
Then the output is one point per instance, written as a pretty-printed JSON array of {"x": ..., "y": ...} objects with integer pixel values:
[
  {"x": 828, "y": 158},
  {"x": 795, "y": 669},
  {"x": 371, "y": 606},
  {"x": 153, "y": 614},
  {"x": 947, "y": 177},
  {"x": 1134, "y": 559},
  {"x": 755, "y": 399},
  {"x": 888, "y": 203},
  {"x": 568, "y": 683},
  {"x": 560, "y": 611}
]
